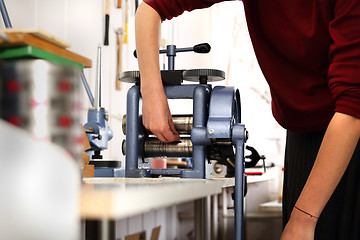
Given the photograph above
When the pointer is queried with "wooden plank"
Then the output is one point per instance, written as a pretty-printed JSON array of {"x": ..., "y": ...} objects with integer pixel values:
[
  {"x": 40, "y": 34},
  {"x": 22, "y": 39}
]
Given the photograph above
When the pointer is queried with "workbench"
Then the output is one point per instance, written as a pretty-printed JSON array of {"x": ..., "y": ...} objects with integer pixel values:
[{"x": 108, "y": 199}]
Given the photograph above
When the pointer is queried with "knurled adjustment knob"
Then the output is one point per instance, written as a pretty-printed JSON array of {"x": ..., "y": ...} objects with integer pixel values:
[
  {"x": 203, "y": 75},
  {"x": 129, "y": 76}
]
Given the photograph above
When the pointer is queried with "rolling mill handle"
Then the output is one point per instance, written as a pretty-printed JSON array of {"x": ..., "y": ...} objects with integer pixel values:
[{"x": 171, "y": 51}]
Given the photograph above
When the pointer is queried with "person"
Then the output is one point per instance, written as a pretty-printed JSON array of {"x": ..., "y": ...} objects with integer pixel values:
[{"x": 309, "y": 53}]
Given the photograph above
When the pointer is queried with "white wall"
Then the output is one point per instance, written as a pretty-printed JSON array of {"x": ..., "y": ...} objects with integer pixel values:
[{"x": 234, "y": 54}]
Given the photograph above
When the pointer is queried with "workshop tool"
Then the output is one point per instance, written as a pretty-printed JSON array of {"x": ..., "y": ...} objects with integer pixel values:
[
  {"x": 87, "y": 170},
  {"x": 126, "y": 21},
  {"x": 119, "y": 37},
  {"x": 107, "y": 22},
  {"x": 215, "y": 131},
  {"x": 171, "y": 51},
  {"x": 97, "y": 129},
  {"x": 99, "y": 133},
  {"x": 87, "y": 89},
  {"x": 5, "y": 15},
  {"x": 254, "y": 157},
  {"x": 136, "y": 5}
]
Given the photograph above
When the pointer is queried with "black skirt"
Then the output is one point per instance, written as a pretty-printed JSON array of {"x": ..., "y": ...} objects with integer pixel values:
[{"x": 340, "y": 218}]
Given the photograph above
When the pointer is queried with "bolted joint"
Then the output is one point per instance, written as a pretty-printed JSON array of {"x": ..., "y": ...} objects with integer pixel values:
[{"x": 198, "y": 136}]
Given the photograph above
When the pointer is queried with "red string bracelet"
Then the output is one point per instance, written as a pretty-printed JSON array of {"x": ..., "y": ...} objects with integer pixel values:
[{"x": 306, "y": 212}]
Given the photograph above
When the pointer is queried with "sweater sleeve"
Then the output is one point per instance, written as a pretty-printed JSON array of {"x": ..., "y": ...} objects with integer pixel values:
[
  {"x": 344, "y": 57},
  {"x": 168, "y": 9}
]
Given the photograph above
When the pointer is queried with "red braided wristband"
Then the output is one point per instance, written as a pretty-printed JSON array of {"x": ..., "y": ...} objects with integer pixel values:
[{"x": 306, "y": 212}]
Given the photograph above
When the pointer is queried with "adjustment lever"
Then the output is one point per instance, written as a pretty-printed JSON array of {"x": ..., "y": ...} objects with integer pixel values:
[{"x": 171, "y": 51}]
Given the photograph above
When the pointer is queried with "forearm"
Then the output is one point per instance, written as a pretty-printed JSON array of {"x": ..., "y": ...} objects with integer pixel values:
[
  {"x": 147, "y": 31},
  {"x": 332, "y": 160},
  {"x": 156, "y": 114}
]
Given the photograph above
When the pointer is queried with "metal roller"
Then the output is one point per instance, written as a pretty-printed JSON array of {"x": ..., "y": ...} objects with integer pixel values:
[
  {"x": 183, "y": 124},
  {"x": 221, "y": 150},
  {"x": 155, "y": 148}
]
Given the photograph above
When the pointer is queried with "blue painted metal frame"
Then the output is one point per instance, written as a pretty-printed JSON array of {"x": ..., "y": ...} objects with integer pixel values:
[
  {"x": 238, "y": 139},
  {"x": 221, "y": 112},
  {"x": 109, "y": 172},
  {"x": 135, "y": 130},
  {"x": 217, "y": 109},
  {"x": 97, "y": 121},
  {"x": 134, "y": 135}
]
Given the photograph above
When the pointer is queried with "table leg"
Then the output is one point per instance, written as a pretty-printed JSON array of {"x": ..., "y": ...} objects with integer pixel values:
[{"x": 100, "y": 229}]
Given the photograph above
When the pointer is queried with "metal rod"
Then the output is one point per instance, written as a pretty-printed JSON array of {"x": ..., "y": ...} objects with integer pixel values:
[
  {"x": 208, "y": 217},
  {"x": 87, "y": 89},
  {"x": 199, "y": 211},
  {"x": 188, "y": 49},
  {"x": 98, "y": 80},
  {"x": 224, "y": 213},
  {"x": 171, "y": 54},
  {"x": 5, "y": 14},
  {"x": 214, "y": 217},
  {"x": 239, "y": 140}
]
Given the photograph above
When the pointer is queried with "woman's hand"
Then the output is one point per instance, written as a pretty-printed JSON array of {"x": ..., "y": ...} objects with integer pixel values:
[
  {"x": 299, "y": 227},
  {"x": 157, "y": 117}
]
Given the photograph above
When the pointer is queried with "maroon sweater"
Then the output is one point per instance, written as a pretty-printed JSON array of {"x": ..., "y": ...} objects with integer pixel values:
[{"x": 308, "y": 51}]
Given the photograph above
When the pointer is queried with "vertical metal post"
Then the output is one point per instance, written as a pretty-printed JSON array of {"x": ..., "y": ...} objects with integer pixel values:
[
  {"x": 171, "y": 54},
  {"x": 97, "y": 103},
  {"x": 207, "y": 217},
  {"x": 224, "y": 214},
  {"x": 199, "y": 211},
  {"x": 132, "y": 129},
  {"x": 5, "y": 15},
  {"x": 201, "y": 96},
  {"x": 239, "y": 138},
  {"x": 103, "y": 229},
  {"x": 214, "y": 217}
]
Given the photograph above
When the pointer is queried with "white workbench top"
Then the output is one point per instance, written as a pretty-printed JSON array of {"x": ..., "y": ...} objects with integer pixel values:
[{"x": 124, "y": 197}]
